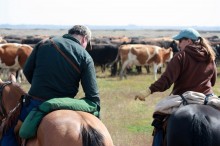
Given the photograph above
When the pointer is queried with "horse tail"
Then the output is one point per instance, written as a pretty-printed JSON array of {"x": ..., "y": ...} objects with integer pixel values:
[
  {"x": 91, "y": 137},
  {"x": 201, "y": 131}
]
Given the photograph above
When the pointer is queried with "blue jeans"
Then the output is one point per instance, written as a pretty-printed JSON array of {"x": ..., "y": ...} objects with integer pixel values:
[
  {"x": 158, "y": 138},
  {"x": 8, "y": 138}
]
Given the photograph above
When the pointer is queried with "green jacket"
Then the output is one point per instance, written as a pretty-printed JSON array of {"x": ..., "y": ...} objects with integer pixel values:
[{"x": 51, "y": 75}]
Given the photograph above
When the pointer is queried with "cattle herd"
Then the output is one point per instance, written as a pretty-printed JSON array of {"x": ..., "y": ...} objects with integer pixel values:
[{"x": 118, "y": 54}]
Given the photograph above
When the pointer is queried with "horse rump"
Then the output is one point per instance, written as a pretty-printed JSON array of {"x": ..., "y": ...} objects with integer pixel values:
[
  {"x": 67, "y": 128},
  {"x": 194, "y": 125}
]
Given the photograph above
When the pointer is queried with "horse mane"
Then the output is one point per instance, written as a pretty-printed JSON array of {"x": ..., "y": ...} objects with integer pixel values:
[
  {"x": 12, "y": 116},
  {"x": 91, "y": 137},
  {"x": 18, "y": 86}
]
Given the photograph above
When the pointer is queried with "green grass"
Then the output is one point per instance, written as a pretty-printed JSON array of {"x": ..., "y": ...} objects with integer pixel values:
[{"x": 128, "y": 120}]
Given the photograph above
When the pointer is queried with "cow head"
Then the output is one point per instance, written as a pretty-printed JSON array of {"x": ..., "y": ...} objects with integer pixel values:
[{"x": 168, "y": 55}]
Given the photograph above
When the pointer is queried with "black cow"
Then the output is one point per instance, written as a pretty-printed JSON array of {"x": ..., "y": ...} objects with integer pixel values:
[
  {"x": 103, "y": 55},
  {"x": 174, "y": 47},
  {"x": 31, "y": 40},
  {"x": 217, "y": 50}
]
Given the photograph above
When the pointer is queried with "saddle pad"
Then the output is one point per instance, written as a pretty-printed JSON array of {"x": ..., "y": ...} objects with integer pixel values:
[
  {"x": 170, "y": 104},
  {"x": 30, "y": 124}
]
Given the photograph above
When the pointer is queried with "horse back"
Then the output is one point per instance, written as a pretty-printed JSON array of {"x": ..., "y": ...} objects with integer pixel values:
[
  {"x": 66, "y": 127},
  {"x": 194, "y": 125}
]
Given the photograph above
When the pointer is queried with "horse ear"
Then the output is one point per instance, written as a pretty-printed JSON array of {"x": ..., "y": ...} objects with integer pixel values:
[{"x": 12, "y": 78}]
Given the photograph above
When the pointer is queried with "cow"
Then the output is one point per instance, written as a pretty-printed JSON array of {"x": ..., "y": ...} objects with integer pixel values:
[
  {"x": 103, "y": 55},
  {"x": 140, "y": 54},
  {"x": 33, "y": 39},
  {"x": 164, "y": 42},
  {"x": 13, "y": 57},
  {"x": 2, "y": 41},
  {"x": 174, "y": 46}
]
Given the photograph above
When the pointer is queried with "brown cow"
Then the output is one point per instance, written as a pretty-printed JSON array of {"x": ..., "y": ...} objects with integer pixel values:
[
  {"x": 139, "y": 54},
  {"x": 13, "y": 57}
]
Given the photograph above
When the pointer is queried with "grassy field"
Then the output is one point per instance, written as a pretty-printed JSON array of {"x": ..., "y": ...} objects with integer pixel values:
[
  {"x": 100, "y": 33},
  {"x": 128, "y": 120}
]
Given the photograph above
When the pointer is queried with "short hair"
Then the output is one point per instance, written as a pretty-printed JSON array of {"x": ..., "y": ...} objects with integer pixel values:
[{"x": 80, "y": 30}]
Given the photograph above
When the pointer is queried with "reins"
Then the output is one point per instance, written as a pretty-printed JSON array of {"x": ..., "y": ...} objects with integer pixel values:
[{"x": 184, "y": 100}]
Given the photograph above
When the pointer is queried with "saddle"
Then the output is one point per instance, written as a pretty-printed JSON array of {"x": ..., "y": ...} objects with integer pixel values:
[
  {"x": 32, "y": 121},
  {"x": 170, "y": 104}
]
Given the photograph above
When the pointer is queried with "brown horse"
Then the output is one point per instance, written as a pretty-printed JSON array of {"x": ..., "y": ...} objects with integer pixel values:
[{"x": 58, "y": 128}]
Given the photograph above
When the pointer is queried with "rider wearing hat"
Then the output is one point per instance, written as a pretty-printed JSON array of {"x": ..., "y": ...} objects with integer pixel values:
[{"x": 191, "y": 69}]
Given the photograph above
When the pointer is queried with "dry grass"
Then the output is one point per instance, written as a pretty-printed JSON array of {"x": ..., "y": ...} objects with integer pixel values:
[{"x": 128, "y": 121}]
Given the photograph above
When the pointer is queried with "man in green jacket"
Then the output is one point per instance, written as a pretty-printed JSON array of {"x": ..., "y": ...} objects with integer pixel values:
[{"x": 51, "y": 75}]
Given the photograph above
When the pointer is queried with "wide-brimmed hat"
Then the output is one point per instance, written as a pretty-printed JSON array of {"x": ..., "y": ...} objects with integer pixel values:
[
  {"x": 84, "y": 31},
  {"x": 189, "y": 33}
]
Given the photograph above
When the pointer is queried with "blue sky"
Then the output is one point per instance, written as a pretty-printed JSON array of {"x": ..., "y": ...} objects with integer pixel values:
[{"x": 111, "y": 12}]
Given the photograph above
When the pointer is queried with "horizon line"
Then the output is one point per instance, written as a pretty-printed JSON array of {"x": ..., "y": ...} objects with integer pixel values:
[{"x": 100, "y": 27}]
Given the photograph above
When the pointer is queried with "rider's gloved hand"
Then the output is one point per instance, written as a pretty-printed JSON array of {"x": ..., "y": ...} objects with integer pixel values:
[{"x": 142, "y": 96}]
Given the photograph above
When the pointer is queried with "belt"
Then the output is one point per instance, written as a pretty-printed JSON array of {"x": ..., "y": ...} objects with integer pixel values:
[
  {"x": 36, "y": 98},
  {"x": 26, "y": 99}
]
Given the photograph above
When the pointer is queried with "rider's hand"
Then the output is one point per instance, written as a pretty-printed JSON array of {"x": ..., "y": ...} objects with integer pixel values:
[{"x": 143, "y": 96}]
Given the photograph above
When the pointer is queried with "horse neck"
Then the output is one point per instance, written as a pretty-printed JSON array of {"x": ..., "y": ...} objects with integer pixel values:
[{"x": 11, "y": 96}]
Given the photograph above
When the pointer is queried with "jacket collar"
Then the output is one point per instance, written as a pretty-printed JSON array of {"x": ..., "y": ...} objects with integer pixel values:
[{"x": 68, "y": 36}]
